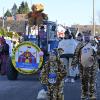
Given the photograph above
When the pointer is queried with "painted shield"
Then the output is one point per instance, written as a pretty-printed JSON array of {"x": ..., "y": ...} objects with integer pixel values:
[{"x": 27, "y": 58}]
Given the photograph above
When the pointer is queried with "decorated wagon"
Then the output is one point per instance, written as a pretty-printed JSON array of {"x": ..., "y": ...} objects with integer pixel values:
[{"x": 27, "y": 57}]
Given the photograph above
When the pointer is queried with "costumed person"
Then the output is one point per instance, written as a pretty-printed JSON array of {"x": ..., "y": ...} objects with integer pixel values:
[
  {"x": 52, "y": 75},
  {"x": 85, "y": 56},
  {"x": 79, "y": 38},
  {"x": 4, "y": 55},
  {"x": 68, "y": 44},
  {"x": 1, "y": 48}
]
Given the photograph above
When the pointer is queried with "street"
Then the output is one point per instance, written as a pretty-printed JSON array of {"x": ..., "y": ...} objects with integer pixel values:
[{"x": 27, "y": 87}]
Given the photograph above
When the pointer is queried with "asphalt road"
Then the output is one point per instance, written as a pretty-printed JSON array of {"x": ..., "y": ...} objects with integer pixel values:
[{"x": 27, "y": 87}]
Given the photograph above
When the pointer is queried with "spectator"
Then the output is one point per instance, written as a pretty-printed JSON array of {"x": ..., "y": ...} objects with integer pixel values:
[
  {"x": 1, "y": 49},
  {"x": 4, "y": 56},
  {"x": 68, "y": 44},
  {"x": 43, "y": 38},
  {"x": 98, "y": 52},
  {"x": 43, "y": 41}
]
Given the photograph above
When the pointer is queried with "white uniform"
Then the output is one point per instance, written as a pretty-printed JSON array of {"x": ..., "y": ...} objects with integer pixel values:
[{"x": 69, "y": 46}]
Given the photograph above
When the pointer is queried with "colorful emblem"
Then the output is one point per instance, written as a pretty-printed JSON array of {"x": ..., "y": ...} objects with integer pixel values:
[
  {"x": 26, "y": 58},
  {"x": 52, "y": 77}
]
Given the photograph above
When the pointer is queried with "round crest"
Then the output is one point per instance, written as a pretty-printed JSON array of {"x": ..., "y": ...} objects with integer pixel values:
[{"x": 26, "y": 58}]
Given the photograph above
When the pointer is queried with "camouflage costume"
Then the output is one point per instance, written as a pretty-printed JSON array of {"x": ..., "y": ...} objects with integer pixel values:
[
  {"x": 54, "y": 68},
  {"x": 87, "y": 74}
]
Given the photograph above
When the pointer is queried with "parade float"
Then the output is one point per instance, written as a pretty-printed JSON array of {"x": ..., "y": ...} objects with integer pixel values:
[{"x": 27, "y": 56}]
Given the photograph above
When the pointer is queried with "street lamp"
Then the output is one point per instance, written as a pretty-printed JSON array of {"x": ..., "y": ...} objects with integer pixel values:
[{"x": 93, "y": 20}]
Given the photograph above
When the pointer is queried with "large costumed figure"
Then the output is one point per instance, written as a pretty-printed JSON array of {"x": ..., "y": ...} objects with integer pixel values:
[
  {"x": 36, "y": 20},
  {"x": 52, "y": 76},
  {"x": 36, "y": 17},
  {"x": 85, "y": 56}
]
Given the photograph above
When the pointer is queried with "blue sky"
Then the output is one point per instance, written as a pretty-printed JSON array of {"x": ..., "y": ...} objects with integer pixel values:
[{"x": 66, "y": 12}]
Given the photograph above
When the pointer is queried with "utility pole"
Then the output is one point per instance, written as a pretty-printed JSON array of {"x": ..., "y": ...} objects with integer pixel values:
[{"x": 93, "y": 19}]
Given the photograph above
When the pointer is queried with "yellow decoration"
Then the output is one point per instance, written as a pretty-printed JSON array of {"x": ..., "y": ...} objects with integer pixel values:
[
  {"x": 27, "y": 61},
  {"x": 37, "y": 16},
  {"x": 39, "y": 7}
]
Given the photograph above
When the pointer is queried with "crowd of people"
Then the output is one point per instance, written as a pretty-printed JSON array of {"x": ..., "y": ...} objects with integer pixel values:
[
  {"x": 78, "y": 57},
  {"x": 74, "y": 57}
]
